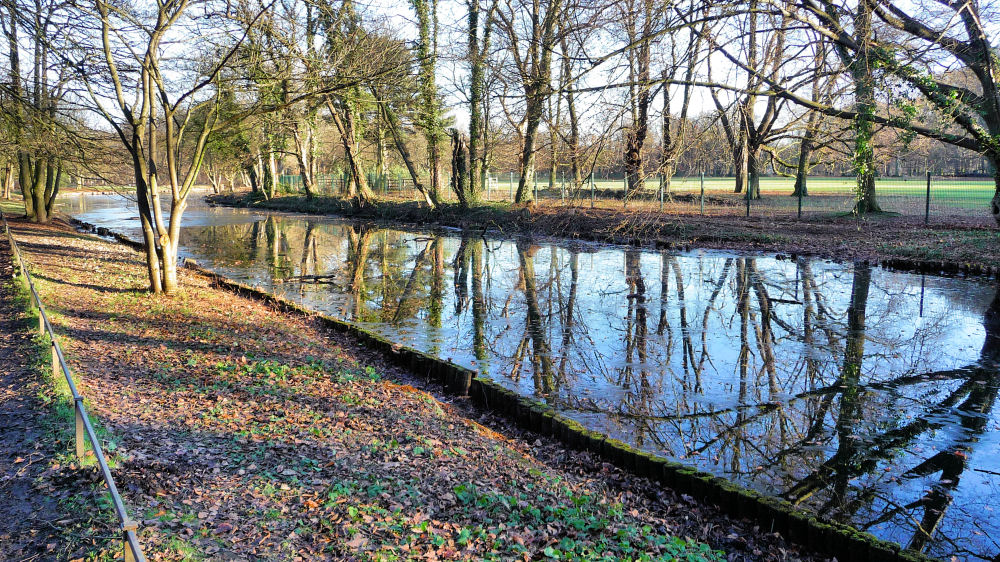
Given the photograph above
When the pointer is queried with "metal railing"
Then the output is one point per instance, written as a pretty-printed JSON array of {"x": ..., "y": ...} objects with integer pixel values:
[{"x": 84, "y": 427}]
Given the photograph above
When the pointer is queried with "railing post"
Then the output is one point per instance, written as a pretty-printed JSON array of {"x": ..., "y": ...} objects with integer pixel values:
[
  {"x": 129, "y": 527},
  {"x": 84, "y": 428},
  {"x": 79, "y": 427},
  {"x": 55, "y": 360}
]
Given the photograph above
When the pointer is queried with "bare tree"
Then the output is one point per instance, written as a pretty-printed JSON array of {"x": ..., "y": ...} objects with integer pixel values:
[
  {"x": 529, "y": 31},
  {"x": 677, "y": 128},
  {"x": 430, "y": 107},
  {"x": 41, "y": 131},
  {"x": 763, "y": 56},
  {"x": 916, "y": 49}
]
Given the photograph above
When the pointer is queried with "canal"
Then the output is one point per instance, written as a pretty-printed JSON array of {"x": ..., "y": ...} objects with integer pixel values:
[{"x": 862, "y": 394}]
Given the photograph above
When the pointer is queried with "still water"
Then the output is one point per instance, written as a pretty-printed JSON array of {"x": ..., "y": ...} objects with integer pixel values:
[{"x": 865, "y": 395}]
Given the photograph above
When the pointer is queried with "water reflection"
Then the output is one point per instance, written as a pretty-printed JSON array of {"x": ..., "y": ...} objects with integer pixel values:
[{"x": 865, "y": 395}]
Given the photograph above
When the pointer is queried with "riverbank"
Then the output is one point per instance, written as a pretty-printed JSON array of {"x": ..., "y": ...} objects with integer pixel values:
[
  {"x": 903, "y": 242},
  {"x": 245, "y": 432}
]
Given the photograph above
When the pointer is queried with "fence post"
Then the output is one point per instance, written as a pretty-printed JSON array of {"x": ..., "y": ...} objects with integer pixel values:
[
  {"x": 129, "y": 527},
  {"x": 661, "y": 193},
  {"x": 510, "y": 187},
  {"x": 927, "y": 200},
  {"x": 702, "y": 193},
  {"x": 41, "y": 319},
  {"x": 80, "y": 444},
  {"x": 593, "y": 193},
  {"x": 55, "y": 360},
  {"x": 746, "y": 188}
]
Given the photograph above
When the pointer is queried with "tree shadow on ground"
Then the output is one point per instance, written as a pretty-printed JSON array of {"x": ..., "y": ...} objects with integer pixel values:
[{"x": 90, "y": 286}]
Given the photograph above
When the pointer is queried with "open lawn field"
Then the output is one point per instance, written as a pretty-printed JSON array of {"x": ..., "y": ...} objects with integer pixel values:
[
  {"x": 902, "y": 195},
  {"x": 906, "y": 196}
]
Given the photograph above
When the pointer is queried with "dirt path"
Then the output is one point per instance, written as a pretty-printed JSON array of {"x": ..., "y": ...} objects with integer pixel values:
[
  {"x": 240, "y": 432},
  {"x": 28, "y": 517}
]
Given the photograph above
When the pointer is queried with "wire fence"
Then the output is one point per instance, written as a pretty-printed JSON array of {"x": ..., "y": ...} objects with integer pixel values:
[
  {"x": 84, "y": 430},
  {"x": 927, "y": 197}
]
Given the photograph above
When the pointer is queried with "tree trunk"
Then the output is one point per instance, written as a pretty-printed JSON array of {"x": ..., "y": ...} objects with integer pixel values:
[
  {"x": 430, "y": 110},
  {"x": 39, "y": 179},
  {"x": 381, "y": 162},
  {"x": 753, "y": 173},
  {"x": 669, "y": 169},
  {"x": 8, "y": 179},
  {"x": 636, "y": 137},
  {"x": 476, "y": 87},
  {"x": 802, "y": 171},
  {"x": 634, "y": 175},
  {"x": 573, "y": 139},
  {"x": 527, "y": 164},
  {"x": 554, "y": 118},
  {"x": 213, "y": 180},
  {"x": 252, "y": 179},
  {"x": 168, "y": 265},
  {"x": 397, "y": 137},
  {"x": 460, "y": 179},
  {"x": 152, "y": 257},
  {"x": 741, "y": 156},
  {"x": 345, "y": 126},
  {"x": 269, "y": 174},
  {"x": 303, "y": 156},
  {"x": 864, "y": 129}
]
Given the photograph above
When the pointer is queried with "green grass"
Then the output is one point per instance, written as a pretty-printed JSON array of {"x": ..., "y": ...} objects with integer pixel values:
[
  {"x": 12, "y": 208},
  {"x": 966, "y": 193},
  {"x": 957, "y": 193}
]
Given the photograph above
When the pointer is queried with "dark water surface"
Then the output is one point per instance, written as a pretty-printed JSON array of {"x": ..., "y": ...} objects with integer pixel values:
[{"x": 865, "y": 395}]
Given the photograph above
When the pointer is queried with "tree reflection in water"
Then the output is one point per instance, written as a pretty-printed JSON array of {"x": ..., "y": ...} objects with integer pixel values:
[{"x": 862, "y": 394}]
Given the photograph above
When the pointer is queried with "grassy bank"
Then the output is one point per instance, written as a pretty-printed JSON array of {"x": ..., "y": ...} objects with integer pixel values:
[
  {"x": 902, "y": 241},
  {"x": 251, "y": 433}
]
